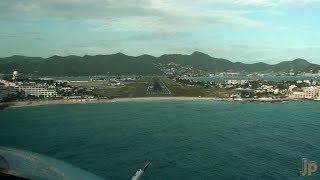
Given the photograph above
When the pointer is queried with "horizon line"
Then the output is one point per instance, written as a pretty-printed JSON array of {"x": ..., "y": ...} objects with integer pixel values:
[{"x": 157, "y": 57}]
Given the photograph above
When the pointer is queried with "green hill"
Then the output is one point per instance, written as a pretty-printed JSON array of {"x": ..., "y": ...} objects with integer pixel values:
[{"x": 121, "y": 64}]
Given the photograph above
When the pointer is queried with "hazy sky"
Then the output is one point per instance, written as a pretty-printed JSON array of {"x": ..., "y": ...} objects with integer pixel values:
[{"x": 239, "y": 30}]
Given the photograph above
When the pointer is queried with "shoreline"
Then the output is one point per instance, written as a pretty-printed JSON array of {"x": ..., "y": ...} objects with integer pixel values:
[
  {"x": 30, "y": 103},
  {"x": 96, "y": 101}
]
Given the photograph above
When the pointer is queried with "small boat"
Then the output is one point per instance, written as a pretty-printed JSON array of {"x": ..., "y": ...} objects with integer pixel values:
[
  {"x": 265, "y": 99},
  {"x": 238, "y": 99}
]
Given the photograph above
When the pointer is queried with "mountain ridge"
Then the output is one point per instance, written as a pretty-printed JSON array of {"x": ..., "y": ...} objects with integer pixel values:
[{"x": 122, "y": 64}]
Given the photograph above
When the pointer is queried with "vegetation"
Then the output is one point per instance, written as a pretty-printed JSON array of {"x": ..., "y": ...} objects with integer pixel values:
[
  {"x": 12, "y": 97},
  {"x": 135, "y": 89},
  {"x": 139, "y": 89},
  {"x": 182, "y": 89},
  {"x": 121, "y": 64}
]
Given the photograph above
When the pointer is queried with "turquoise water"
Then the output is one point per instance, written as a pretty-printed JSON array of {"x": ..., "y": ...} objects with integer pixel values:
[{"x": 186, "y": 139}]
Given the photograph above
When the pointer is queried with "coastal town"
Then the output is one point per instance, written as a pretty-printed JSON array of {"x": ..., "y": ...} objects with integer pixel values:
[{"x": 19, "y": 87}]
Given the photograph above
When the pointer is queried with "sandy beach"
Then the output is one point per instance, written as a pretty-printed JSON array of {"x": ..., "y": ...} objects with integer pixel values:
[
  {"x": 133, "y": 99},
  {"x": 89, "y": 101}
]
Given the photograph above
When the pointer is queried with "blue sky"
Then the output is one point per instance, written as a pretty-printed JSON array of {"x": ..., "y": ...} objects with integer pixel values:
[{"x": 240, "y": 30}]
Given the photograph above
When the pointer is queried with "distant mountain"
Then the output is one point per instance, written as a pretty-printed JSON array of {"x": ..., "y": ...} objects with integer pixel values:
[
  {"x": 121, "y": 64},
  {"x": 86, "y": 65}
]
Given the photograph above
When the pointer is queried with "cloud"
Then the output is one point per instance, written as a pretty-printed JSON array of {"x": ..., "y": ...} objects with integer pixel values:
[
  {"x": 159, "y": 15},
  {"x": 157, "y": 27},
  {"x": 276, "y": 3},
  {"x": 26, "y": 35}
]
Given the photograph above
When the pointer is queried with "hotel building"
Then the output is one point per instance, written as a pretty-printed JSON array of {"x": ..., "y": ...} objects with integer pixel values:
[
  {"x": 37, "y": 91},
  {"x": 297, "y": 95},
  {"x": 311, "y": 92}
]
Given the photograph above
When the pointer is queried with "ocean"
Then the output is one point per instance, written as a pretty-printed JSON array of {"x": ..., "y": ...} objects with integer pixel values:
[{"x": 186, "y": 139}]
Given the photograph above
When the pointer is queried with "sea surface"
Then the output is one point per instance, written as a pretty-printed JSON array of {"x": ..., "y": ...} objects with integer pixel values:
[{"x": 186, "y": 139}]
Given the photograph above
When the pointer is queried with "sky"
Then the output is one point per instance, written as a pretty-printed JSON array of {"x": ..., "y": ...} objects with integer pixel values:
[{"x": 239, "y": 30}]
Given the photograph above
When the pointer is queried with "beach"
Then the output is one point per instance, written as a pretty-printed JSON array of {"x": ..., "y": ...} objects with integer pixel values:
[
  {"x": 135, "y": 99},
  {"x": 89, "y": 101}
]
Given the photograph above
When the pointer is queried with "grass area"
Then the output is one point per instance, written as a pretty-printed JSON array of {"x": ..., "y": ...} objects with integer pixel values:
[
  {"x": 139, "y": 89},
  {"x": 193, "y": 91},
  {"x": 135, "y": 89}
]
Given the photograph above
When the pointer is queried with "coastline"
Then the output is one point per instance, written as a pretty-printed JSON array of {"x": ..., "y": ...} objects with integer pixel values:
[
  {"x": 30, "y": 103},
  {"x": 96, "y": 101}
]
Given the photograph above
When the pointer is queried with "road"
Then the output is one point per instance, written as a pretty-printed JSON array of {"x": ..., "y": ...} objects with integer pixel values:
[{"x": 157, "y": 87}]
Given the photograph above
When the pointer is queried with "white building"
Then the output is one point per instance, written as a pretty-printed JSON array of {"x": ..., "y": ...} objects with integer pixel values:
[
  {"x": 311, "y": 92},
  {"x": 291, "y": 87},
  {"x": 233, "y": 82},
  {"x": 7, "y": 83},
  {"x": 307, "y": 81},
  {"x": 37, "y": 91},
  {"x": 15, "y": 75},
  {"x": 297, "y": 95}
]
